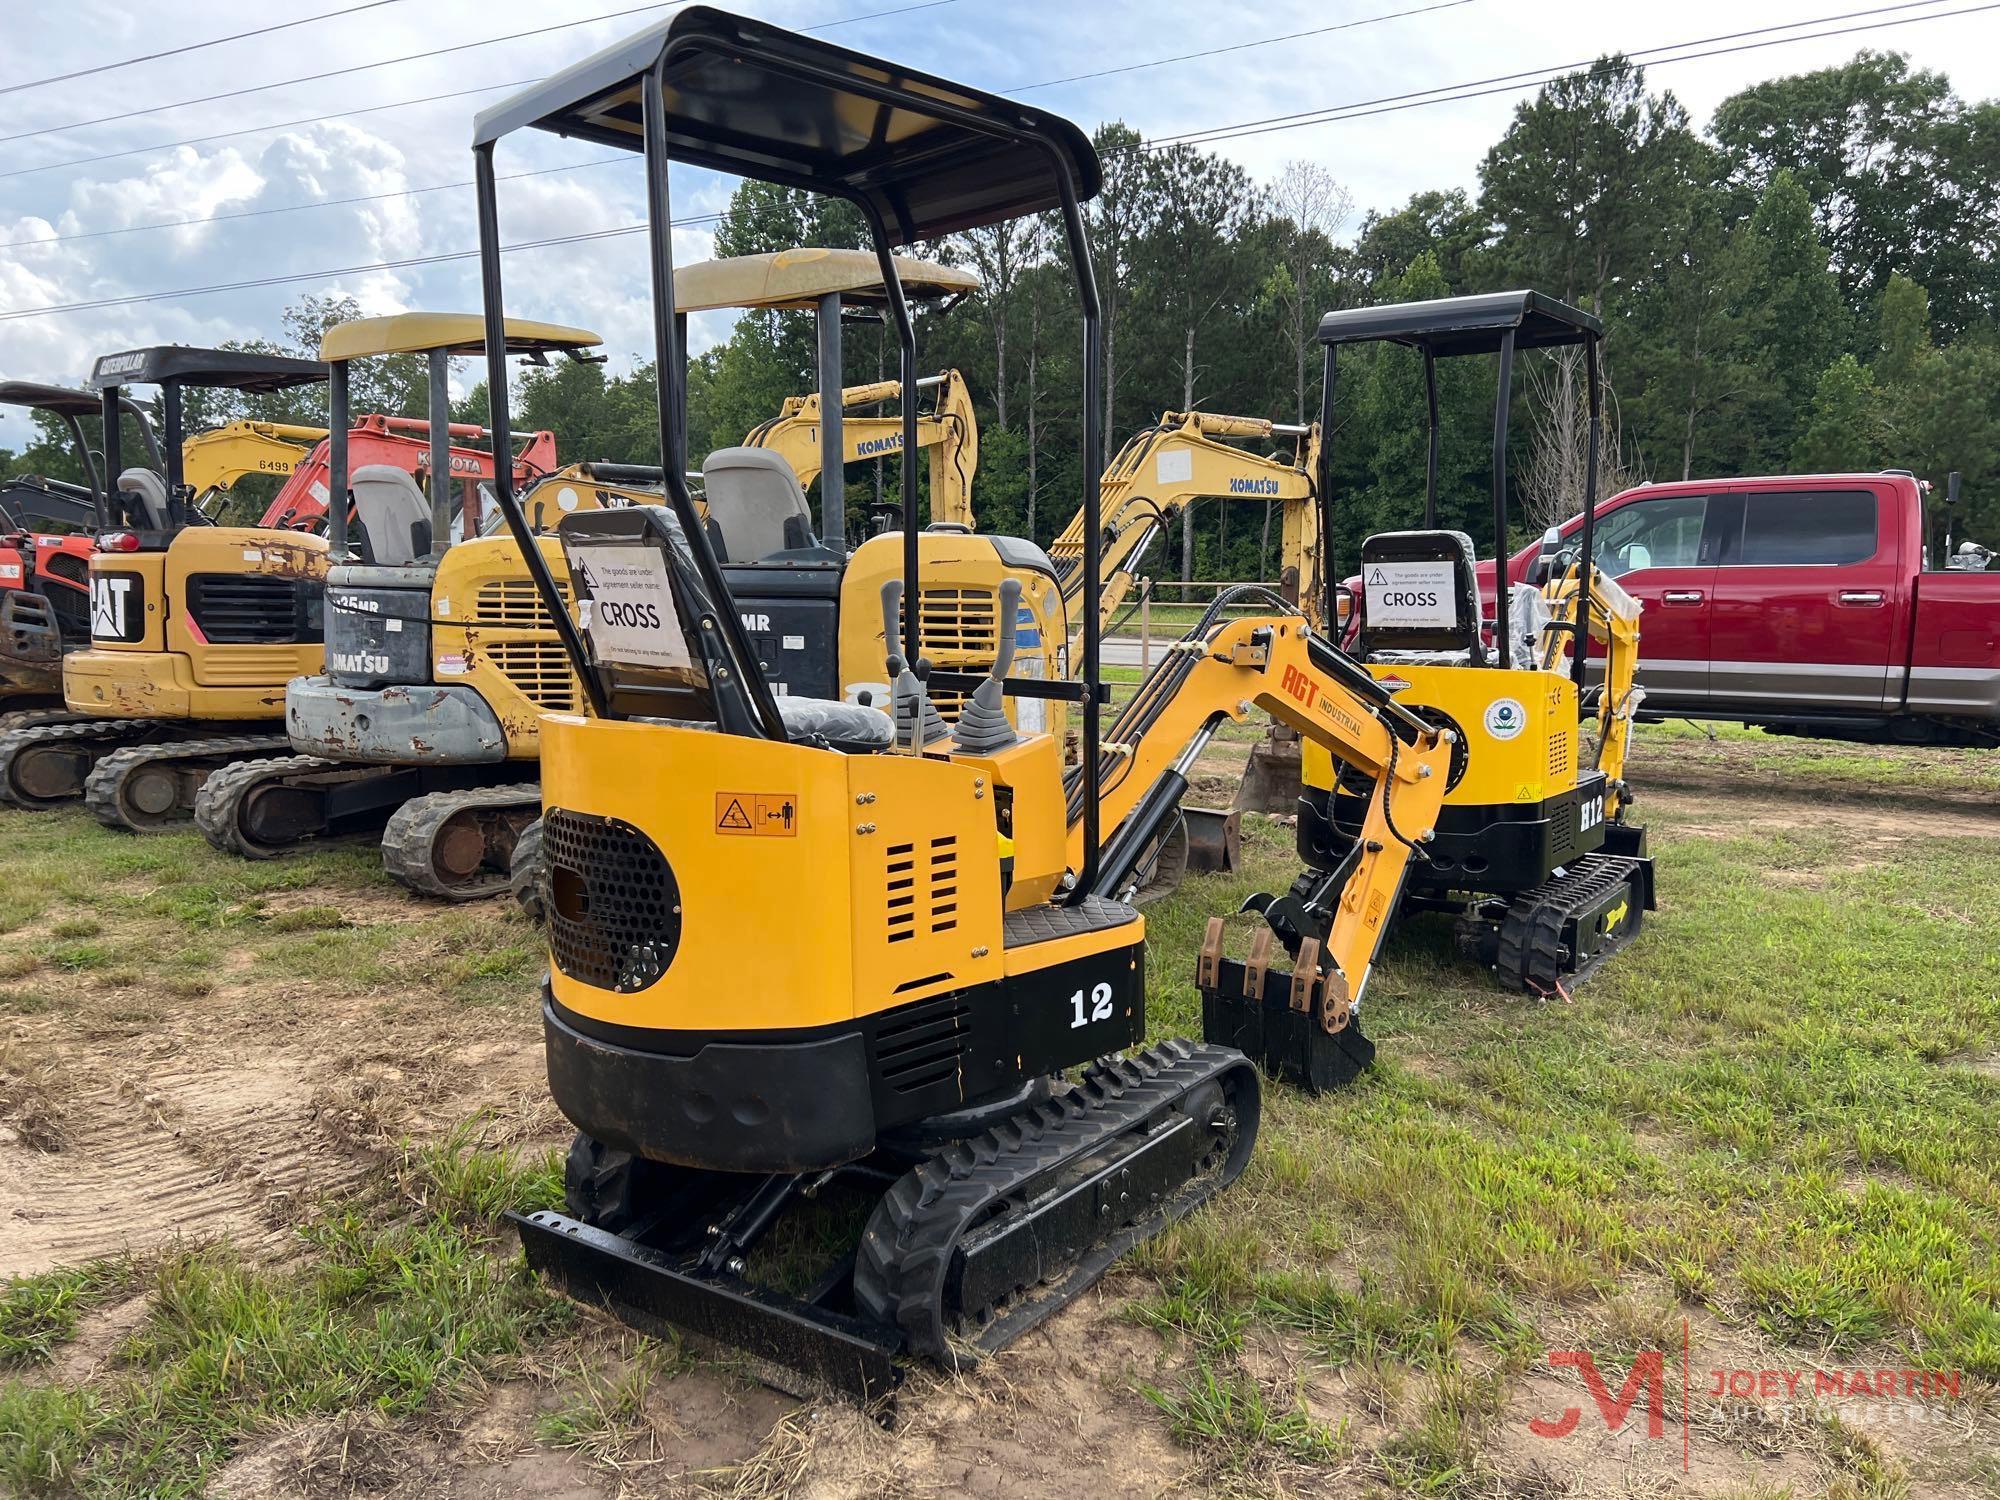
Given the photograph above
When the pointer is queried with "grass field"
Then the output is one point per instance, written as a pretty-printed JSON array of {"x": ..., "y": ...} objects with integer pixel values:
[{"x": 257, "y": 1124}]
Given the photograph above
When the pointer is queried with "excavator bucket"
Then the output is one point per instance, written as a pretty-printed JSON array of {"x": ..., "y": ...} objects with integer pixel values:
[
  {"x": 1271, "y": 779},
  {"x": 1214, "y": 839}
]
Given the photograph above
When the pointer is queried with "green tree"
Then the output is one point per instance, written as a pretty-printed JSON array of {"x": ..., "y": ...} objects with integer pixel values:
[{"x": 1841, "y": 432}]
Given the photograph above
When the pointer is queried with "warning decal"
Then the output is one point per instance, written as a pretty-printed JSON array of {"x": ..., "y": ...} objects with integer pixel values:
[
  {"x": 757, "y": 814},
  {"x": 1411, "y": 596}
]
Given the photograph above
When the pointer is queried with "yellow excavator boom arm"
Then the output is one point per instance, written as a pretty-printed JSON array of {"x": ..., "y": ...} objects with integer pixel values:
[
  {"x": 216, "y": 459},
  {"x": 947, "y": 431},
  {"x": 1276, "y": 665},
  {"x": 1612, "y": 622},
  {"x": 1182, "y": 459}
]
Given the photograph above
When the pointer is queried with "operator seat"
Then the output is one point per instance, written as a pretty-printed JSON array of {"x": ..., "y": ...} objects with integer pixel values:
[
  {"x": 395, "y": 520},
  {"x": 1462, "y": 644},
  {"x": 755, "y": 506},
  {"x": 151, "y": 492}
]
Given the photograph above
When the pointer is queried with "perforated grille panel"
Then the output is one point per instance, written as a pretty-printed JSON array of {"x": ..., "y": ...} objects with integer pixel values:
[
  {"x": 958, "y": 630},
  {"x": 615, "y": 907},
  {"x": 921, "y": 883},
  {"x": 539, "y": 671},
  {"x": 1562, "y": 759},
  {"x": 513, "y": 601},
  {"x": 1563, "y": 833}
]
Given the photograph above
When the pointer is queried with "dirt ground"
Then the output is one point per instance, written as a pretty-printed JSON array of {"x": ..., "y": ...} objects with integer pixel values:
[{"x": 137, "y": 1119}]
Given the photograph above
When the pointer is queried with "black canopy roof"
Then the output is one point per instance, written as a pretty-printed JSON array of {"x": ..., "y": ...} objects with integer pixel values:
[
  {"x": 229, "y": 369},
  {"x": 930, "y": 156},
  {"x": 1464, "y": 325},
  {"x": 59, "y": 399}
]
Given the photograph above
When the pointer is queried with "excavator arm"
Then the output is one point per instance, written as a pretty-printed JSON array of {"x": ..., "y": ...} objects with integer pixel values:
[
  {"x": 1183, "y": 459},
  {"x": 1612, "y": 620},
  {"x": 1228, "y": 670},
  {"x": 214, "y": 461},
  {"x": 947, "y": 430}
]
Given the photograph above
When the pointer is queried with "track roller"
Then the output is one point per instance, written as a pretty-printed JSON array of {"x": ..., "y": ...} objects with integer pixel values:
[
  {"x": 252, "y": 808},
  {"x": 972, "y": 1247}
]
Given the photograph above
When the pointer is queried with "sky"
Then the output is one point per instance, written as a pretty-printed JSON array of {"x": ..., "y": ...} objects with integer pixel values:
[{"x": 178, "y": 197}]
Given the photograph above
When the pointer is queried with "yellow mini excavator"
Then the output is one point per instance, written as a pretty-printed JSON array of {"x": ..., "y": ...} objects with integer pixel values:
[
  {"x": 940, "y": 1032},
  {"x": 194, "y": 628},
  {"x": 1533, "y": 853},
  {"x": 438, "y": 662}
]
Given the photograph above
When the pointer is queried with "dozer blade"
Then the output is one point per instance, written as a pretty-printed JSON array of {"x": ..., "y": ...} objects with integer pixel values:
[{"x": 802, "y": 1348}]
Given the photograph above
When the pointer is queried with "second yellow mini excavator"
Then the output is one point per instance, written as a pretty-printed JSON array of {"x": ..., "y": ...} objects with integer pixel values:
[{"x": 933, "y": 1026}]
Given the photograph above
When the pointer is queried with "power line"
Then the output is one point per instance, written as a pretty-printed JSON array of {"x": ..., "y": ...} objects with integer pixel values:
[
  {"x": 1269, "y": 41},
  {"x": 387, "y": 62},
  {"x": 325, "y": 15},
  {"x": 1442, "y": 95},
  {"x": 601, "y": 161},
  {"x": 1506, "y": 82},
  {"x": 376, "y": 109}
]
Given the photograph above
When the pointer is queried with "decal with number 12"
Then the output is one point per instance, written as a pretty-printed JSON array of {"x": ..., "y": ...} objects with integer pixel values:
[{"x": 1100, "y": 1006}]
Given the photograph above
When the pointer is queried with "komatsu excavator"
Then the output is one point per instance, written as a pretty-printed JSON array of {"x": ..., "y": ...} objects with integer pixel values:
[
  {"x": 425, "y": 724},
  {"x": 1533, "y": 853},
  {"x": 1184, "y": 459},
  {"x": 438, "y": 661},
  {"x": 195, "y": 628},
  {"x": 952, "y": 943}
]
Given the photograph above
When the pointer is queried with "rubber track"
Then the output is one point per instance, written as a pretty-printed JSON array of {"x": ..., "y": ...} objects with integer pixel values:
[
  {"x": 1531, "y": 955},
  {"x": 33, "y": 718},
  {"x": 528, "y": 874},
  {"x": 907, "y": 1249},
  {"x": 15, "y": 741},
  {"x": 216, "y": 810},
  {"x": 104, "y": 789},
  {"x": 413, "y": 828}
]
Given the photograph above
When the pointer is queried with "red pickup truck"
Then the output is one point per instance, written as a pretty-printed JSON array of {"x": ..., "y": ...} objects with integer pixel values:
[{"x": 1805, "y": 604}]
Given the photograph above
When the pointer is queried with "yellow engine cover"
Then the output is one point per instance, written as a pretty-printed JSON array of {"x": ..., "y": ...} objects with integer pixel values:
[
  {"x": 149, "y": 656},
  {"x": 1519, "y": 728},
  {"x": 811, "y": 887},
  {"x": 490, "y": 631}
]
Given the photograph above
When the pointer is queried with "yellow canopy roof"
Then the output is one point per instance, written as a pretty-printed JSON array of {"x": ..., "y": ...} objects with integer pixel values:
[
  {"x": 799, "y": 278},
  {"x": 458, "y": 333}
]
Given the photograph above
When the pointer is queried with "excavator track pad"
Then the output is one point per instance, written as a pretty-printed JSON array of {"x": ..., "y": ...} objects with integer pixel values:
[
  {"x": 967, "y": 1250},
  {"x": 1558, "y": 933},
  {"x": 145, "y": 787}
]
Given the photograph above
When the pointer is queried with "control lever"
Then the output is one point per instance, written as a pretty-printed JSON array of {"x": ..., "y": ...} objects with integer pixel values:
[
  {"x": 982, "y": 726},
  {"x": 917, "y": 719}
]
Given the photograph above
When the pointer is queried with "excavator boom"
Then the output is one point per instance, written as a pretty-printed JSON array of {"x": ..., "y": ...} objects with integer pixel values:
[
  {"x": 947, "y": 430},
  {"x": 1182, "y": 459}
]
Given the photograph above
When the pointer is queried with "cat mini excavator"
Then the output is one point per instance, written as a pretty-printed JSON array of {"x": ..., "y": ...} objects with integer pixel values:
[
  {"x": 1533, "y": 853},
  {"x": 952, "y": 945},
  {"x": 50, "y": 529},
  {"x": 437, "y": 660},
  {"x": 195, "y": 627}
]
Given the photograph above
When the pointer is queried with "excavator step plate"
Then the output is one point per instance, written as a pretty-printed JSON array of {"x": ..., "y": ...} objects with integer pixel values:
[
  {"x": 1290, "y": 1045},
  {"x": 799, "y": 1347}
]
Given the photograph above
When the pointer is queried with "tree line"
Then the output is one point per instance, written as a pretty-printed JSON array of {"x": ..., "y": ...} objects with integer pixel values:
[{"x": 1810, "y": 281}]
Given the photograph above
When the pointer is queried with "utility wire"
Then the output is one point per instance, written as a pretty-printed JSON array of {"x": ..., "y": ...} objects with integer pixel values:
[
  {"x": 376, "y": 109},
  {"x": 325, "y": 15},
  {"x": 1479, "y": 88},
  {"x": 58, "y": 239},
  {"x": 1265, "y": 126},
  {"x": 387, "y": 62},
  {"x": 1268, "y": 41}
]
